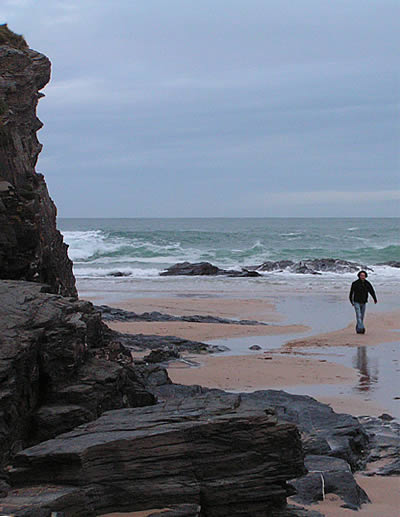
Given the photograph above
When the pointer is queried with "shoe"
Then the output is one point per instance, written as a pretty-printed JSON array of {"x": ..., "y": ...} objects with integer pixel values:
[{"x": 362, "y": 331}]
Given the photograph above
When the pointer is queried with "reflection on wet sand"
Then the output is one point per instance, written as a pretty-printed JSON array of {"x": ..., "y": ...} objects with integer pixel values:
[{"x": 368, "y": 368}]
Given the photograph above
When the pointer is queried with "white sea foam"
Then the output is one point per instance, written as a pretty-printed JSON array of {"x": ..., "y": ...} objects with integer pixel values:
[{"x": 83, "y": 245}]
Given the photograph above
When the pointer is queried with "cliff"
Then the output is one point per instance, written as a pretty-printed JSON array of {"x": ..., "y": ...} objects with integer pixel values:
[{"x": 31, "y": 247}]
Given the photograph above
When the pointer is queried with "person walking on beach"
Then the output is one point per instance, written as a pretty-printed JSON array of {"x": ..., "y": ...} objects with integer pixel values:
[{"x": 358, "y": 298}]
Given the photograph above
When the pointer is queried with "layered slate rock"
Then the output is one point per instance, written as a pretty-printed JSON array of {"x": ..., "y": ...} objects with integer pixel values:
[
  {"x": 334, "y": 444},
  {"x": 31, "y": 247},
  {"x": 217, "y": 452},
  {"x": 58, "y": 367}
]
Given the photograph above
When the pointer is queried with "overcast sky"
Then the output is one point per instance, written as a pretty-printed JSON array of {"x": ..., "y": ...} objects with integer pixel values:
[{"x": 176, "y": 108}]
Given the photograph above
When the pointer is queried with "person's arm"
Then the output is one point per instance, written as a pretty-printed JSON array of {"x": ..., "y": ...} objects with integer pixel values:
[
  {"x": 351, "y": 295},
  {"x": 372, "y": 292}
]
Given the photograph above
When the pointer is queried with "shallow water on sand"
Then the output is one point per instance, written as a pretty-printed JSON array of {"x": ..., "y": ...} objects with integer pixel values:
[{"x": 378, "y": 366}]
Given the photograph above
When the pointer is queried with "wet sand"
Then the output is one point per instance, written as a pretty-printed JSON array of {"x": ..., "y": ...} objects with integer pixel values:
[
  {"x": 381, "y": 328},
  {"x": 261, "y": 371},
  {"x": 302, "y": 367}
]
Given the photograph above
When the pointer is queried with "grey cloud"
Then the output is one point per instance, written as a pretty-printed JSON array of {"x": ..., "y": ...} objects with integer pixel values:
[{"x": 216, "y": 100}]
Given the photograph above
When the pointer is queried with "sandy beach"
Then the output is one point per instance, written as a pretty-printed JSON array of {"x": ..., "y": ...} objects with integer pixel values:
[{"x": 295, "y": 363}]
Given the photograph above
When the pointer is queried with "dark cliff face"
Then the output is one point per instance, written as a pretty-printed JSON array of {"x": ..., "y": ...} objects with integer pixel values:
[{"x": 31, "y": 247}]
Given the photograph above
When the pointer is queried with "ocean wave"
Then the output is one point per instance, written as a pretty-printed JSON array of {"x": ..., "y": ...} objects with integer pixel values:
[{"x": 94, "y": 251}]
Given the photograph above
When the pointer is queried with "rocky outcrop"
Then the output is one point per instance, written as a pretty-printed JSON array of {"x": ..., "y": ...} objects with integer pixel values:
[
  {"x": 335, "y": 445},
  {"x": 323, "y": 431},
  {"x": 215, "y": 451},
  {"x": 144, "y": 342},
  {"x": 31, "y": 247},
  {"x": 115, "y": 314},
  {"x": 58, "y": 366},
  {"x": 205, "y": 269},
  {"x": 311, "y": 266}
]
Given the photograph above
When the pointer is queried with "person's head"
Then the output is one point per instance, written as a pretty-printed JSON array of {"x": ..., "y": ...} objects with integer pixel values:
[{"x": 362, "y": 275}]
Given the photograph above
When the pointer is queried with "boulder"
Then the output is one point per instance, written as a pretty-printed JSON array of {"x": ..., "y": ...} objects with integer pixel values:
[
  {"x": 328, "y": 475},
  {"x": 214, "y": 451},
  {"x": 187, "y": 268},
  {"x": 323, "y": 432}
]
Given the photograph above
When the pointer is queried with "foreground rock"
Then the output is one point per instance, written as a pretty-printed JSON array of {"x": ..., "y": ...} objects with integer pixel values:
[
  {"x": 323, "y": 431},
  {"x": 31, "y": 247},
  {"x": 326, "y": 436},
  {"x": 58, "y": 366},
  {"x": 216, "y": 451}
]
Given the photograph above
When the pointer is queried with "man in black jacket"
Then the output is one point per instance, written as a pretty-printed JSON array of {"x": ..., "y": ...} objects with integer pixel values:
[{"x": 358, "y": 298}]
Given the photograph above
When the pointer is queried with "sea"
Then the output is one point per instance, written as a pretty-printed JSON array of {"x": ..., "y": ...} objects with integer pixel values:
[{"x": 139, "y": 249}]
